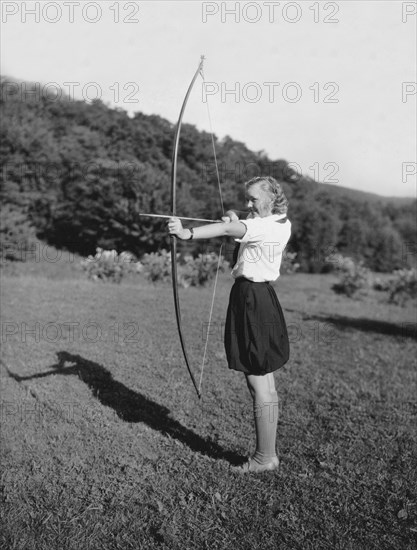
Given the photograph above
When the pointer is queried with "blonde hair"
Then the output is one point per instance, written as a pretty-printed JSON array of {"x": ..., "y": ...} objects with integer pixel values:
[{"x": 271, "y": 186}]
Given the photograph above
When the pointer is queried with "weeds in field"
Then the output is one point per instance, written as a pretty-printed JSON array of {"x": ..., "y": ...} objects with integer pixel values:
[
  {"x": 200, "y": 270},
  {"x": 403, "y": 286},
  {"x": 109, "y": 266},
  {"x": 289, "y": 264},
  {"x": 156, "y": 267},
  {"x": 354, "y": 277}
]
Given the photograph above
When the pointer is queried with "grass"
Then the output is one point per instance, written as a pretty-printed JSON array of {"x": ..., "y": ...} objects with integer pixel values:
[{"x": 105, "y": 445}]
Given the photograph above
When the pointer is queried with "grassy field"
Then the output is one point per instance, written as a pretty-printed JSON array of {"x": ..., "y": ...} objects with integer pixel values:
[{"x": 106, "y": 446}]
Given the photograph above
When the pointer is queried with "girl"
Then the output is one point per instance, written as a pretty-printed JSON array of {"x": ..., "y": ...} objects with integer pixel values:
[{"x": 256, "y": 339}]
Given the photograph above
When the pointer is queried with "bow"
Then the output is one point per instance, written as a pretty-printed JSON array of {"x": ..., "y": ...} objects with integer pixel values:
[
  {"x": 173, "y": 238},
  {"x": 199, "y": 71}
]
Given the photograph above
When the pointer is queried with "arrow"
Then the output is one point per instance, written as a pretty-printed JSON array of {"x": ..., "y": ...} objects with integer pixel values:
[{"x": 188, "y": 219}]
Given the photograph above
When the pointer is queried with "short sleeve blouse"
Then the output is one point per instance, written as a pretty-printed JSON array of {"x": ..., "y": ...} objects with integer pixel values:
[{"x": 261, "y": 248}]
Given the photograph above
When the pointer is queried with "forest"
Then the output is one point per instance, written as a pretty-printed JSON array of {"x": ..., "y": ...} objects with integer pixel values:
[{"x": 77, "y": 175}]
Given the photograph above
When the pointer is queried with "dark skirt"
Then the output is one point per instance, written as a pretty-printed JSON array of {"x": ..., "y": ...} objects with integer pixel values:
[{"x": 256, "y": 338}]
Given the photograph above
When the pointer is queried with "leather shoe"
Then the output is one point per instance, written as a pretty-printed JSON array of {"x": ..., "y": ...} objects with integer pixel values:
[{"x": 251, "y": 466}]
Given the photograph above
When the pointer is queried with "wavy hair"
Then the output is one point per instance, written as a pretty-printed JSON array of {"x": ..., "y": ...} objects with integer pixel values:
[{"x": 271, "y": 186}]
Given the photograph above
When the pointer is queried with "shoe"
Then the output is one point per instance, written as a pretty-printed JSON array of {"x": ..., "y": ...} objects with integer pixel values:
[{"x": 251, "y": 466}]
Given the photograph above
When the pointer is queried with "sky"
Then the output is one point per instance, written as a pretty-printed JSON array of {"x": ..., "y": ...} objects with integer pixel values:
[{"x": 328, "y": 86}]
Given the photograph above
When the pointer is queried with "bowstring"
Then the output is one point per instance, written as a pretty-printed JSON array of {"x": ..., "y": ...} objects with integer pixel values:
[
  {"x": 221, "y": 247},
  {"x": 213, "y": 144},
  {"x": 200, "y": 382}
]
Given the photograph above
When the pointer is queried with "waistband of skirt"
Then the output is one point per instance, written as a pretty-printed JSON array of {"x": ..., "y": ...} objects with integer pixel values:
[{"x": 239, "y": 280}]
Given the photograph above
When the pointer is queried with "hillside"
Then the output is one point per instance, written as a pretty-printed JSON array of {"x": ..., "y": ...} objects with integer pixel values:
[
  {"x": 360, "y": 196},
  {"x": 77, "y": 175}
]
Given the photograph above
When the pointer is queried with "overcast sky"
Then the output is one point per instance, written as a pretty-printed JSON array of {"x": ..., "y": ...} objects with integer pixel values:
[{"x": 328, "y": 86}]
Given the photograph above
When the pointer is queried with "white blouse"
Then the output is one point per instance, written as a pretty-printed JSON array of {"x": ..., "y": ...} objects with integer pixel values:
[{"x": 260, "y": 252}]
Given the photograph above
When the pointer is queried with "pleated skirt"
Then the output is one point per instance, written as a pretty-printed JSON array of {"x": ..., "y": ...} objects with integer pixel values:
[{"x": 256, "y": 337}]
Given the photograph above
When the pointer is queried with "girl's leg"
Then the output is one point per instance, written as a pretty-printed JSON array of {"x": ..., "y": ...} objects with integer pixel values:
[{"x": 265, "y": 407}]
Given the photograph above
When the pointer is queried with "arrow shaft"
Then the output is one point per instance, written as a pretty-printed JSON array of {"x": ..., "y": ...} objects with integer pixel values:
[{"x": 181, "y": 218}]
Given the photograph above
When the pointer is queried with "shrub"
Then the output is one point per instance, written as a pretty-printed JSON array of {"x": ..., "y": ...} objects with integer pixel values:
[
  {"x": 108, "y": 266},
  {"x": 200, "y": 270},
  {"x": 380, "y": 285},
  {"x": 156, "y": 266},
  {"x": 403, "y": 286},
  {"x": 353, "y": 276},
  {"x": 289, "y": 265}
]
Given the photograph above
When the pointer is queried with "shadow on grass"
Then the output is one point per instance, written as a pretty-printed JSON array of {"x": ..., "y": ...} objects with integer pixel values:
[
  {"x": 129, "y": 405},
  {"x": 404, "y": 330}
]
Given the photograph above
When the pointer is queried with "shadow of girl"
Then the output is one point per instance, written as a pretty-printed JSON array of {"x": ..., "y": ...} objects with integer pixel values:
[{"x": 130, "y": 405}]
